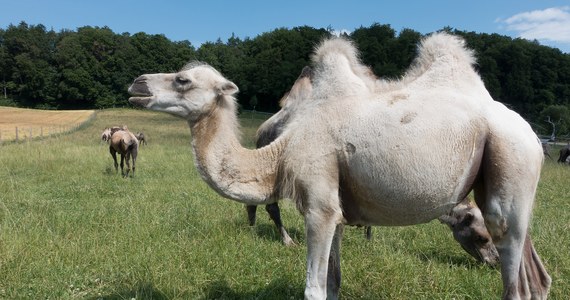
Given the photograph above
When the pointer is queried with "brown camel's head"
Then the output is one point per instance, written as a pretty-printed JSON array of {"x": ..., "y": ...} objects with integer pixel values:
[{"x": 469, "y": 230}]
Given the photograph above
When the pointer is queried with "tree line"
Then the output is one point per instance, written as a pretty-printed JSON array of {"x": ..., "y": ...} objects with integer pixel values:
[{"x": 91, "y": 67}]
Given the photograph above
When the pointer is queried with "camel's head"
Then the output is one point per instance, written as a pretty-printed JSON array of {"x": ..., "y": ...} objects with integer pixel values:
[
  {"x": 190, "y": 93},
  {"x": 468, "y": 226},
  {"x": 106, "y": 135}
]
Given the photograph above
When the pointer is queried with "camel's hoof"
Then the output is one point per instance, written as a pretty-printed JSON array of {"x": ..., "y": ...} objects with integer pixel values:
[{"x": 289, "y": 243}]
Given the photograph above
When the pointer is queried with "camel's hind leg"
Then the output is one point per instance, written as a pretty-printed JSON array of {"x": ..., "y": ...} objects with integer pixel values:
[
  {"x": 114, "y": 155},
  {"x": 523, "y": 274},
  {"x": 127, "y": 161},
  {"x": 123, "y": 165},
  {"x": 275, "y": 215},
  {"x": 505, "y": 196},
  {"x": 134, "y": 153}
]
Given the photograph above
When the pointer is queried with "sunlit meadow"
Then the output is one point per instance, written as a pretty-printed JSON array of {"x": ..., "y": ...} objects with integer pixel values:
[{"x": 71, "y": 228}]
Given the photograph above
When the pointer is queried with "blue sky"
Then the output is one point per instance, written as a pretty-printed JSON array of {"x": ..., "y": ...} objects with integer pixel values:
[{"x": 200, "y": 21}]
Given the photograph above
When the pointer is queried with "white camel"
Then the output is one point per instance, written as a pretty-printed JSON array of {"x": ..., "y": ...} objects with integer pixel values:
[
  {"x": 350, "y": 155},
  {"x": 465, "y": 220}
]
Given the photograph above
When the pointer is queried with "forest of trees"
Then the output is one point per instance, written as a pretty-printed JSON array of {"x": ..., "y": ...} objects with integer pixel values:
[{"x": 91, "y": 67}]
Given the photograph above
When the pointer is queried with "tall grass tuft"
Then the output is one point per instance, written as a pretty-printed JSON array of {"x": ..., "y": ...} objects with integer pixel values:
[{"x": 72, "y": 228}]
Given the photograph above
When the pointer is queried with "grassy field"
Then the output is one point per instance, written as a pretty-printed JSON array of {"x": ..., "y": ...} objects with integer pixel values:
[
  {"x": 71, "y": 228},
  {"x": 39, "y": 123}
]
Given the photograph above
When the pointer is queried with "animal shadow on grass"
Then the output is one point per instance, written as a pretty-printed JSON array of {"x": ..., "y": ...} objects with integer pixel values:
[
  {"x": 109, "y": 171},
  {"x": 448, "y": 258},
  {"x": 142, "y": 291},
  {"x": 275, "y": 290}
]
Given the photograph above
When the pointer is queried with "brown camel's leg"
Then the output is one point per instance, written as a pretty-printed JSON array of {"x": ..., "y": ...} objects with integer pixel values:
[
  {"x": 251, "y": 211},
  {"x": 127, "y": 161},
  {"x": 134, "y": 154},
  {"x": 122, "y": 164},
  {"x": 368, "y": 232},
  {"x": 275, "y": 215},
  {"x": 114, "y": 155}
]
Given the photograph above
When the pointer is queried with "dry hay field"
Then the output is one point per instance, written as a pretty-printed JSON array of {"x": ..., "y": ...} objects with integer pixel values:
[{"x": 22, "y": 123}]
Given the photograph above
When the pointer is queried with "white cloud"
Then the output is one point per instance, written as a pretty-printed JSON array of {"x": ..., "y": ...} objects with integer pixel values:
[{"x": 549, "y": 25}]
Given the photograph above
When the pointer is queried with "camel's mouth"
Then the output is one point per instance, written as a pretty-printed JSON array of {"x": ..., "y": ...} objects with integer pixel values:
[
  {"x": 140, "y": 101},
  {"x": 140, "y": 92}
]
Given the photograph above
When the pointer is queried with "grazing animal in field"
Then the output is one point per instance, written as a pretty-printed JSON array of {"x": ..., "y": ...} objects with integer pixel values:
[
  {"x": 466, "y": 222},
  {"x": 106, "y": 135},
  {"x": 349, "y": 156},
  {"x": 564, "y": 154},
  {"x": 126, "y": 144},
  {"x": 141, "y": 137},
  {"x": 546, "y": 149},
  {"x": 108, "y": 132}
]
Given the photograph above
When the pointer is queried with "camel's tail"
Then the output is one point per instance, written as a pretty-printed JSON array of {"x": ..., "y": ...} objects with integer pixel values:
[{"x": 534, "y": 281}]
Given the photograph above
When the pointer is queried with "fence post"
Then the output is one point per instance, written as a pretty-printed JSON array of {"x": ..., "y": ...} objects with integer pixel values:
[
  {"x": 16, "y": 133},
  {"x": 30, "y": 137}
]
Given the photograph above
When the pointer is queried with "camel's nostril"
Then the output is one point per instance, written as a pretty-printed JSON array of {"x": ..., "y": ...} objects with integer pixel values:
[
  {"x": 140, "y": 79},
  {"x": 139, "y": 88}
]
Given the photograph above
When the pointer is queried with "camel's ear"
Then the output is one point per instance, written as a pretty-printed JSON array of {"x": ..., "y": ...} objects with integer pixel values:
[
  {"x": 447, "y": 219},
  {"x": 226, "y": 88}
]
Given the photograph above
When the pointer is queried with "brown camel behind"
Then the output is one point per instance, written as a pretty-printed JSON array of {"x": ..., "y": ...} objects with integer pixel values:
[
  {"x": 108, "y": 132},
  {"x": 141, "y": 137},
  {"x": 126, "y": 144},
  {"x": 465, "y": 220},
  {"x": 564, "y": 153}
]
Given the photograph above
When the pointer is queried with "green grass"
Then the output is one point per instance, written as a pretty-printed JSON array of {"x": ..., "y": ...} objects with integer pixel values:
[{"x": 70, "y": 228}]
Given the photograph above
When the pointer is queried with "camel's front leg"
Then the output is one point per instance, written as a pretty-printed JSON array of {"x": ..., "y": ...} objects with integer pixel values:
[{"x": 321, "y": 223}]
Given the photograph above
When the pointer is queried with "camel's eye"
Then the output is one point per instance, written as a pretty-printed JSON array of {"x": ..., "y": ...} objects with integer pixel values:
[
  {"x": 182, "y": 80},
  {"x": 482, "y": 240}
]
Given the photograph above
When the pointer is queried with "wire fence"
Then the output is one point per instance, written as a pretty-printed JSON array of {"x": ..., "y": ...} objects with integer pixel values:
[{"x": 24, "y": 133}]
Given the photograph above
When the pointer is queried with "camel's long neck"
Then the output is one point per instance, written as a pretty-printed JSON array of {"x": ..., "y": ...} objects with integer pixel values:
[{"x": 235, "y": 172}]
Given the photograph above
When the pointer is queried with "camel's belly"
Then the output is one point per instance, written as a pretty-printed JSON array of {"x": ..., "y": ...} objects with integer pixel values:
[
  {"x": 399, "y": 164},
  {"x": 393, "y": 205},
  {"x": 409, "y": 178}
]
